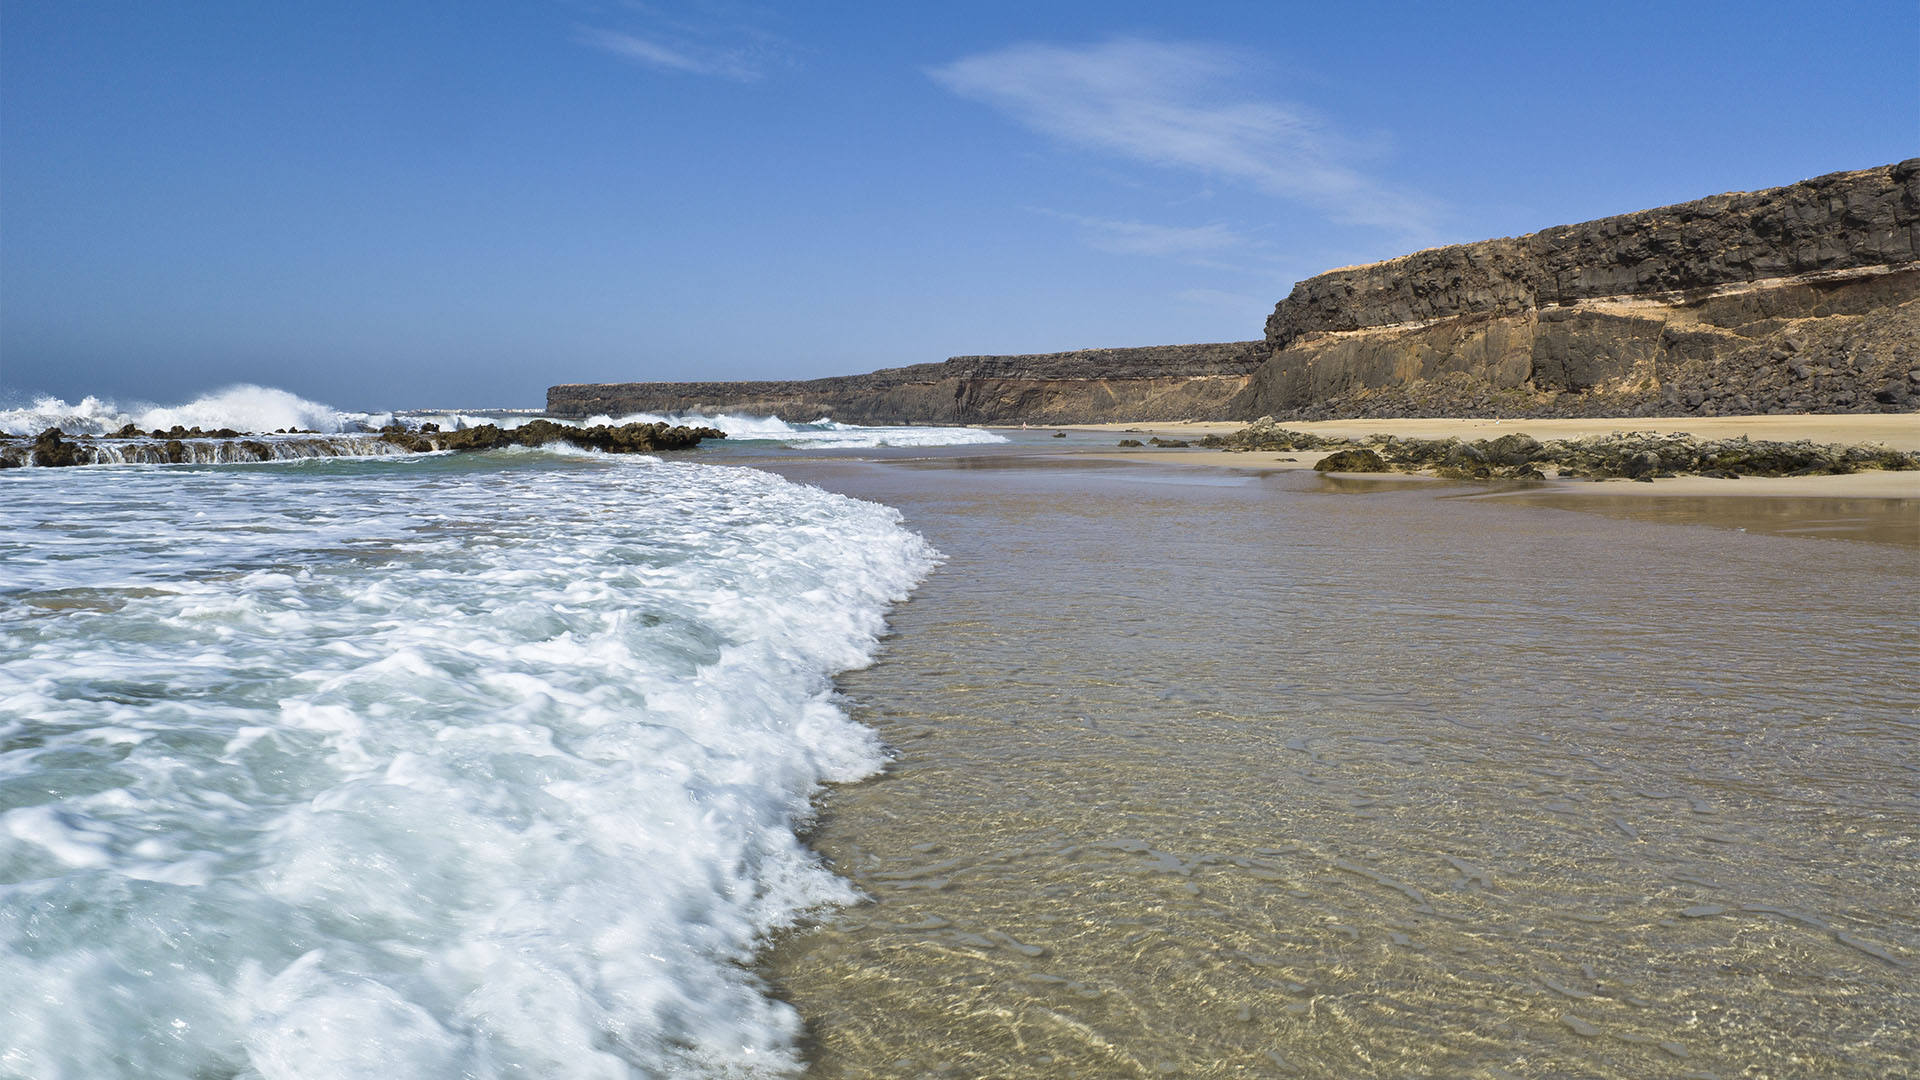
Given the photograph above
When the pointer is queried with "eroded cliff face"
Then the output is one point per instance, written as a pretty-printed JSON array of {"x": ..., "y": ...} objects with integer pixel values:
[
  {"x": 1166, "y": 382},
  {"x": 1801, "y": 298}
]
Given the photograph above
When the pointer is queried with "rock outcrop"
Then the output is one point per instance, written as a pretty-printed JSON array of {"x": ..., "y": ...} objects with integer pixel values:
[
  {"x": 1165, "y": 382},
  {"x": 1633, "y": 455},
  {"x": 183, "y": 446},
  {"x": 1803, "y": 298}
]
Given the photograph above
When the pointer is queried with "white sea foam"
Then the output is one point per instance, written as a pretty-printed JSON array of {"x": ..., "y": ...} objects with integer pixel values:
[
  {"x": 441, "y": 766},
  {"x": 823, "y": 433},
  {"x": 242, "y": 408},
  {"x": 820, "y": 434},
  {"x": 257, "y": 409}
]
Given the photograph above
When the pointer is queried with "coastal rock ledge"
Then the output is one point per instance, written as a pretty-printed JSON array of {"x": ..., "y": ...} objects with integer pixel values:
[
  {"x": 1796, "y": 299},
  {"x": 1193, "y": 382},
  {"x": 1804, "y": 298}
]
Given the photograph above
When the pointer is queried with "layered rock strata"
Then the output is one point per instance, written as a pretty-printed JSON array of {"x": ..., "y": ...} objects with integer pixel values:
[
  {"x": 1803, "y": 298},
  {"x": 1167, "y": 382},
  {"x": 1796, "y": 299}
]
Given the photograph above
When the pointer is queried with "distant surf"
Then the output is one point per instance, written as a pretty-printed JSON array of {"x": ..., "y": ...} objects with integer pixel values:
[{"x": 260, "y": 410}]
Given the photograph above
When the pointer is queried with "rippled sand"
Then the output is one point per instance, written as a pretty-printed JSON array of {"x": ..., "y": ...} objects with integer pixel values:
[{"x": 1206, "y": 774}]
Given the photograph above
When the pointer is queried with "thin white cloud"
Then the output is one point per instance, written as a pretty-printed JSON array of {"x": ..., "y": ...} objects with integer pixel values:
[
  {"x": 1144, "y": 238},
  {"x": 1172, "y": 105},
  {"x": 747, "y": 61}
]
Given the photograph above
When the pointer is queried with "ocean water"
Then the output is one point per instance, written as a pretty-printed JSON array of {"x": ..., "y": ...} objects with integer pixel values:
[{"x": 442, "y": 765}]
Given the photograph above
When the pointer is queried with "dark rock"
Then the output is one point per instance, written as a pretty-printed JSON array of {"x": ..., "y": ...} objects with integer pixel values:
[
  {"x": 1131, "y": 442},
  {"x": 406, "y": 440},
  {"x": 49, "y": 449},
  {"x": 1358, "y": 460},
  {"x": 1515, "y": 449},
  {"x": 1464, "y": 457},
  {"x": 624, "y": 439},
  {"x": 1264, "y": 434},
  {"x": 1059, "y": 434},
  {"x": 1158, "y": 441}
]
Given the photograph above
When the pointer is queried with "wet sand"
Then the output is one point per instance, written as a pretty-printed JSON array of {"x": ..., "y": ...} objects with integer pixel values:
[{"x": 1210, "y": 772}]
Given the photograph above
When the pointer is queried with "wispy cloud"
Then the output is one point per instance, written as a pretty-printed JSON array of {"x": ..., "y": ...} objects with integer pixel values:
[
  {"x": 721, "y": 49},
  {"x": 1144, "y": 238},
  {"x": 1175, "y": 106}
]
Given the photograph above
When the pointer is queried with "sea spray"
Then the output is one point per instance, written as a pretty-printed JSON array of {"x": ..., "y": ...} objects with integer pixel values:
[
  {"x": 252, "y": 409},
  {"x": 821, "y": 434},
  {"x": 258, "y": 410},
  {"x": 441, "y": 766}
]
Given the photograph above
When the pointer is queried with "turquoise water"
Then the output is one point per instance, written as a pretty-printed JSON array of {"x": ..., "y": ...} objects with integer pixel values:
[{"x": 480, "y": 765}]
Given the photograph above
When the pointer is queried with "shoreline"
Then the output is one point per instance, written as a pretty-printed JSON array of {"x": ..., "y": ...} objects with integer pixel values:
[
  {"x": 1536, "y": 775},
  {"x": 1899, "y": 431}
]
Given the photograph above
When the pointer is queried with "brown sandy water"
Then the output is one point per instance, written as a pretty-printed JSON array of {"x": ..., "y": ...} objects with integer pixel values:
[
  {"x": 1257, "y": 775},
  {"x": 1881, "y": 521}
]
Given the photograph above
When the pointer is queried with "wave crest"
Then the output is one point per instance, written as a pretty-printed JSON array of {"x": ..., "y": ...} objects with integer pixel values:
[
  {"x": 242, "y": 407},
  {"x": 820, "y": 434}
]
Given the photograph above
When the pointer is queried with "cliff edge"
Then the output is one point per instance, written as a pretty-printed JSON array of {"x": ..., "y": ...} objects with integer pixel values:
[
  {"x": 1804, "y": 298},
  {"x": 1799, "y": 298},
  {"x": 1168, "y": 382}
]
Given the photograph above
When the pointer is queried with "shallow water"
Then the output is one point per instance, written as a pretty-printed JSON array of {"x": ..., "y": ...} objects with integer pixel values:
[
  {"x": 1247, "y": 776},
  {"x": 1878, "y": 521}
]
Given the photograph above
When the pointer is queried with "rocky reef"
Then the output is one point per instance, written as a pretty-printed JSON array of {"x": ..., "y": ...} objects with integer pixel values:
[
  {"x": 1633, "y": 455},
  {"x": 611, "y": 439},
  {"x": 177, "y": 446},
  {"x": 1796, "y": 299},
  {"x": 1190, "y": 382}
]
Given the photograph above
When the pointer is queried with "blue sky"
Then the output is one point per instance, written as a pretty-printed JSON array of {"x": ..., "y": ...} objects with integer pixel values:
[{"x": 459, "y": 202}]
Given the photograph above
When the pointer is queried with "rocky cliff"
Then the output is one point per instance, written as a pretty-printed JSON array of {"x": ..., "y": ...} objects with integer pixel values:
[
  {"x": 1166, "y": 382},
  {"x": 1803, "y": 298},
  {"x": 1800, "y": 298}
]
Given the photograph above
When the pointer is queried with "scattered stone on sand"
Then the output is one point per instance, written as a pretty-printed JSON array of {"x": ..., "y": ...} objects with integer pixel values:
[{"x": 1630, "y": 455}]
